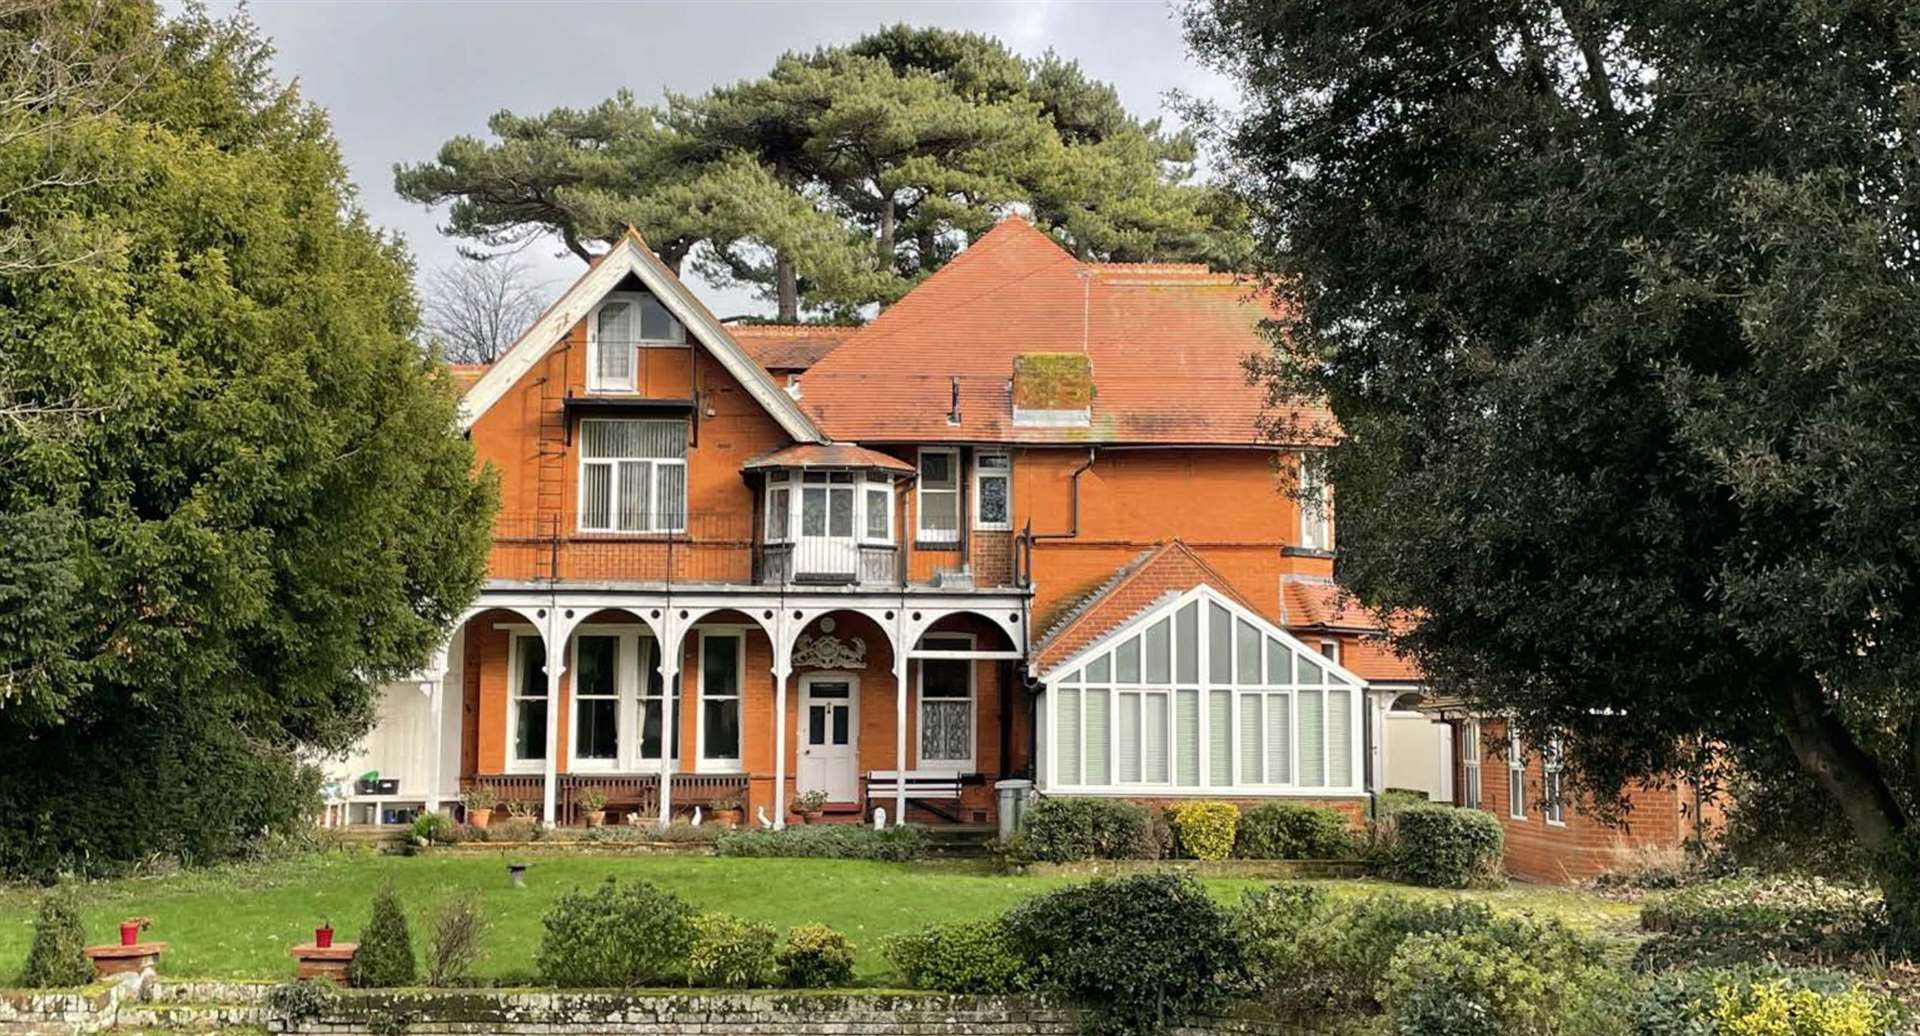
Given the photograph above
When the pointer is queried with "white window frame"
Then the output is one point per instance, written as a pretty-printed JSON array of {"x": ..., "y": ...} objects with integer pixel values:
[
  {"x": 869, "y": 482},
  {"x": 973, "y": 708},
  {"x": 718, "y": 764},
  {"x": 656, "y": 466},
  {"x": 623, "y": 638},
  {"x": 516, "y": 694},
  {"x": 1313, "y": 483},
  {"x": 780, "y": 495},
  {"x": 1552, "y": 767},
  {"x": 1516, "y": 775},
  {"x": 1470, "y": 755},
  {"x": 922, "y": 492},
  {"x": 594, "y": 345},
  {"x": 980, "y": 474}
]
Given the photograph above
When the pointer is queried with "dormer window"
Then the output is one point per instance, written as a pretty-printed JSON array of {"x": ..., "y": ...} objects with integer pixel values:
[{"x": 622, "y": 324}]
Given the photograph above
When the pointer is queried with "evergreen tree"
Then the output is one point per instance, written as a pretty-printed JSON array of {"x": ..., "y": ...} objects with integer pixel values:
[
  {"x": 55, "y": 958},
  {"x": 233, "y": 497},
  {"x": 385, "y": 957}
]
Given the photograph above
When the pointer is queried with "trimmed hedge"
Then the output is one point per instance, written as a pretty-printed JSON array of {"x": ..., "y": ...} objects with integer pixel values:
[
  {"x": 1140, "y": 954},
  {"x": 1064, "y": 829},
  {"x": 960, "y": 957},
  {"x": 1288, "y": 831},
  {"x": 1206, "y": 829},
  {"x": 1447, "y": 847},
  {"x": 828, "y": 841}
]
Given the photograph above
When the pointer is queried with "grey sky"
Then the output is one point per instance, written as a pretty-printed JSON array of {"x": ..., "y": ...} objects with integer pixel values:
[{"x": 400, "y": 78}]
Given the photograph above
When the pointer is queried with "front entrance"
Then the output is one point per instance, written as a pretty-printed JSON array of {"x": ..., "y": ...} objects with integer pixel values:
[{"x": 829, "y": 736}]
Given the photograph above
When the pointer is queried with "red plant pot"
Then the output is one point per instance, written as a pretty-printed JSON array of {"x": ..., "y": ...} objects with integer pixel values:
[
  {"x": 129, "y": 932},
  {"x": 323, "y": 937}
]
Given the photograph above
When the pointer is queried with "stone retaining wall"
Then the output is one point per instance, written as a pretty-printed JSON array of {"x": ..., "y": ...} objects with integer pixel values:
[{"x": 154, "y": 1004}]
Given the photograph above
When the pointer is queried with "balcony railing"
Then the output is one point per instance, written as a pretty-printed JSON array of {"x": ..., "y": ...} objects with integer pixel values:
[{"x": 681, "y": 549}]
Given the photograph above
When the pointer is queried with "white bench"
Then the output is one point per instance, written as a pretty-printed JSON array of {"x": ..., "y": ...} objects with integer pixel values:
[{"x": 922, "y": 786}]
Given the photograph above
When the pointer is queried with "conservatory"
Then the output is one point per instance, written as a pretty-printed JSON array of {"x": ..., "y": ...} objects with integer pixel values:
[{"x": 1197, "y": 695}]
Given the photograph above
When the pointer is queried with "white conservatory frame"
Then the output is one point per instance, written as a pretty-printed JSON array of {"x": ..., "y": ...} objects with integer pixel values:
[{"x": 1194, "y": 693}]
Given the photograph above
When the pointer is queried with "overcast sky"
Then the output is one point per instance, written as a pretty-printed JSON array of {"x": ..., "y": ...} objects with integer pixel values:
[{"x": 401, "y": 77}]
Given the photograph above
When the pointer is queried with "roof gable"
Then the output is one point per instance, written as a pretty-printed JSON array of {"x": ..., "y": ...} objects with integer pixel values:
[
  {"x": 631, "y": 256},
  {"x": 1169, "y": 568}
]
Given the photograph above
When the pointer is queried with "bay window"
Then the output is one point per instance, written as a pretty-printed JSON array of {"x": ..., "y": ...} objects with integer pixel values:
[
  {"x": 633, "y": 475},
  {"x": 879, "y": 508},
  {"x": 946, "y": 705},
  {"x": 779, "y": 506},
  {"x": 939, "y": 495}
]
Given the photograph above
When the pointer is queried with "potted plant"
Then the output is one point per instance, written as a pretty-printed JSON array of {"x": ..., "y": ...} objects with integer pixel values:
[
  {"x": 480, "y": 800},
  {"x": 131, "y": 928},
  {"x": 727, "y": 811},
  {"x": 593, "y": 805},
  {"x": 809, "y": 804},
  {"x": 323, "y": 935}
]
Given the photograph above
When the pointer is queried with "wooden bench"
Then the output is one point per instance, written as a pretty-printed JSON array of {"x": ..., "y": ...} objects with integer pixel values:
[{"x": 925, "y": 787}]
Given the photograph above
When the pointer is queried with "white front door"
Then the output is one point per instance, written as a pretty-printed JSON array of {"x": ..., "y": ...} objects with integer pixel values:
[{"x": 829, "y": 736}]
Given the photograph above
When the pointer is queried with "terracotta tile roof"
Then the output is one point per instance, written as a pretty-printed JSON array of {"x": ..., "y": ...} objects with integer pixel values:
[
  {"x": 834, "y": 455},
  {"x": 1167, "y": 342},
  {"x": 789, "y": 348},
  {"x": 1371, "y": 659},
  {"x": 465, "y": 374},
  {"x": 1147, "y": 580},
  {"x": 1319, "y": 603}
]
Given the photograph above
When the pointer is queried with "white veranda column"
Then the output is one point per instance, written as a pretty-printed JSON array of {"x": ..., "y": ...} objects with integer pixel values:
[
  {"x": 900, "y": 738},
  {"x": 670, "y": 647},
  {"x": 435, "y": 685},
  {"x": 780, "y": 748},
  {"x": 556, "y": 645}
]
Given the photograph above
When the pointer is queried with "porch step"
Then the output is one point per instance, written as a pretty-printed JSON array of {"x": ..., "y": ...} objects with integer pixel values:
[{"x": 959, "y": 841}]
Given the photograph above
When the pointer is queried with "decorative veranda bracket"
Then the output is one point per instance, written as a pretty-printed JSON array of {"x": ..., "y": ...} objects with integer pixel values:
[{"x": 828, "y": 652}]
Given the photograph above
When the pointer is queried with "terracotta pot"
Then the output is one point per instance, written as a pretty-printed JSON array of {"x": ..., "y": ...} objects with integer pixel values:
[
  {"x": 129, "y": 932},
  {"x": 480, "y": 817},
  {"x": 727, "y": 817},
  {"x": 597, "y": 818},
  {"x": 323, "y": 937},
  {"x": 808, "y": 818}
]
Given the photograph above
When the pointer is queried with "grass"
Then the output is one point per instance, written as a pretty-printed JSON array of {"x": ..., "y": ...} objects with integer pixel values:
[{"x": 238, "y": 921}]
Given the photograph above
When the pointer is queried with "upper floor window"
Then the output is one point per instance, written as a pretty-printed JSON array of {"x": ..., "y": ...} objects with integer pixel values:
[
  {"x": 992, "y": 491},
  {"x": 1316, "y": 505},
  {"x": 939, "y": 509},
  {"x": 829, "y": 504},
  {"x": 879, "y": 508},
  {"x": 633, "y": 475},
  {"x": 623, "y": 323}
]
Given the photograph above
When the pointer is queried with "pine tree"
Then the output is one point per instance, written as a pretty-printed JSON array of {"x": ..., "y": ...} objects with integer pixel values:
[{"x": 385, "y": 957}]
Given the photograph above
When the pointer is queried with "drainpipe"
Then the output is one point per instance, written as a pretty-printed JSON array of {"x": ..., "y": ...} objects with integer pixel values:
[{"x": 1073, "y": 505}]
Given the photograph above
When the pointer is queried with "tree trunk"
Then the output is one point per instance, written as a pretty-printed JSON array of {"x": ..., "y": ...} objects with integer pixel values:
[
  {"x": 884, "y": 250},
  {"x": 1829, "y": 753},
  {"x": 789, "y": 289}
]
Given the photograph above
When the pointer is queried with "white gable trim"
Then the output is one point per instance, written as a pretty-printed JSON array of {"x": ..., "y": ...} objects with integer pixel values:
[
  {"x": 630, "y": 256},
  {"x": 1170, "y": 604}
]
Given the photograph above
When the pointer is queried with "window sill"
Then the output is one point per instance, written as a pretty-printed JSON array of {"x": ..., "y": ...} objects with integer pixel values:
[
  {"x": 943, "y": 545},
  {"x": 1305, "y": 552}
]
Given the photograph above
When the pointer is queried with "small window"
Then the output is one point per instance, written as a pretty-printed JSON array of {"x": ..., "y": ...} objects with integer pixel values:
[
  {"x": 1516, "y": 776},
  {"x": 993, "y": 491},
  {"x": 946, "y": 705},
  {"x": 779, "y": 507},
  {"x": 623, "y": 323},
  {"x": 939, "y": 492},
  {"x": 1470, "y": 754},
  {"x": 1330, "y": 650},
  {"x": 878, "y": 504},
  {"x": 1316, "y": 505},
  {"x": 633, "y": 475},
  {"x": 1551, "y": 761}
]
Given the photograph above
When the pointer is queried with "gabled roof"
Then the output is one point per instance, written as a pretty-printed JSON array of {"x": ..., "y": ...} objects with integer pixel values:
[
  {"x": 789, "y": 348},
  {"x": 630, "y": 256},
  {"x": 832, "y": 455},
  {"x": 1167, "y": 343},
  {"x": 1318, "y": 603},
  {"x": 1137, "y": 586}
]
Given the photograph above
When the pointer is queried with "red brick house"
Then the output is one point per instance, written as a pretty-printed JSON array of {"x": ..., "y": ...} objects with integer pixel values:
[{"x": 1024, "y": 525}]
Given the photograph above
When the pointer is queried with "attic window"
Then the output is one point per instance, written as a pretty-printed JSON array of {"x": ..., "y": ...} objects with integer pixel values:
[
  {"x": 1053, "y": 390},
  {"x": 624, "y": 322}
]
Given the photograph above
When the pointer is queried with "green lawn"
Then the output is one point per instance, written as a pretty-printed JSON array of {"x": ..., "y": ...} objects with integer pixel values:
[{"x": 239, "y": 921}]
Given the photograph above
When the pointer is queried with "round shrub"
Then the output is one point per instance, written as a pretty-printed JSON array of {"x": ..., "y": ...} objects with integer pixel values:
[
  {"x": 1141, "y": 954},
  {"x": 1206, "y": 829},
  {"x": 815, "y": 957},
  {"x": 1061, "y": 829},
  {"x": 1447, "y": 847},
  {"x": 630, "y": 934},
  {"x": 730, "y": 952},
  {"x": 1287, "y": 831},
  {"x": 385, "y": 957},
  {"x": 959, "y": 957},
  {"x": 55, "y": 958}
]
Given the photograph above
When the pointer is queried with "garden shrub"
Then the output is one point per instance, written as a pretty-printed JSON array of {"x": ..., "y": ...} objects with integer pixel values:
[
  {"x": 453, "y": 946},
  {"x": 683, "y": 831},
  {"x": 630, "y": 934},
  {"x": 1064, "y": 829},
  {"x": 832, "y": 841},
  {"x": 1140, "y": 954},
  {"x": 301, "y": 1000},
  {"x": 1447, "y": 847},
  {"x": 1751, "y": 917},
  {"x": 434, "y": 829},
  {"x": 55, "y": 958},
  {"x": 1206, "y": 829},
  {"x": 385, "y": 957},
  {"x": 1288, "y": 831},
  {"x": 960, "y": 957},
  {"x": 1765, "y": 1000},
  {"x": 815, "y": 957},
  {"x": 730, "y": 952},
  {"x": 1495, "y": 983}
]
